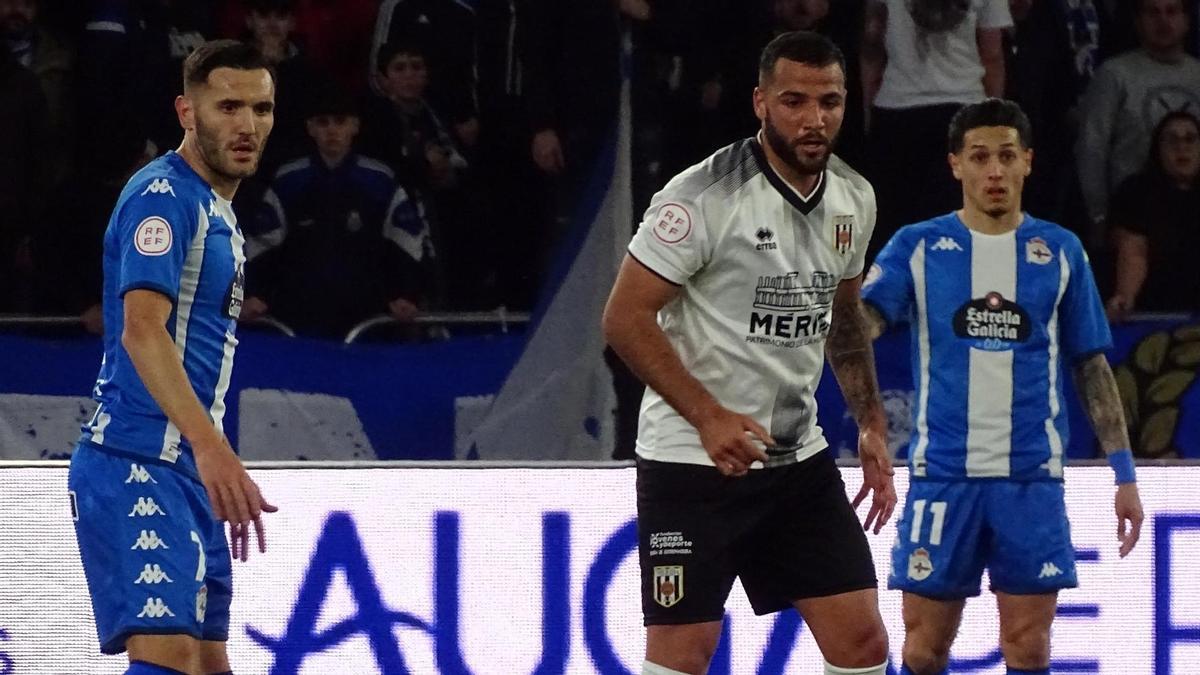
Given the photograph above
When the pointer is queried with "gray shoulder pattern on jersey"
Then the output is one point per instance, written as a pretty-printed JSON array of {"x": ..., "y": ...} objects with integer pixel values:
[
  {"x": 839, "y": 168},
  {"x": 721, "y": 174}
]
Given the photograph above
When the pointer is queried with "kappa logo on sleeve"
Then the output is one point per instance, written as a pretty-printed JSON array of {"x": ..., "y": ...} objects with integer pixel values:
[
  {"x": 672, "y": 223},
  {"x": 153, "y": 236},
  {"x": 159, "y": 186}
]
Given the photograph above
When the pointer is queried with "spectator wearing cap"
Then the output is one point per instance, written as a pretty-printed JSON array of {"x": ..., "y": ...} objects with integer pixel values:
[{"x": 336, "y": 240}]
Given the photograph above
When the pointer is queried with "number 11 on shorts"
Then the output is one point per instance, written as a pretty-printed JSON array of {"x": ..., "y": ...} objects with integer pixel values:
[{"x": 938, "y": 509}]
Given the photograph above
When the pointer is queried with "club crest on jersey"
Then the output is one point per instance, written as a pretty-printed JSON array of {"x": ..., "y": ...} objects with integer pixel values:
[
  {"x": 843, "y": 233},
  {"x": 672, "y": 223},
  {"x": 152, "y": 236},
  {"x": 1037, "y": 252},
  {"x": 919, "y": 565},
  {"x": 668, "y": 585}
]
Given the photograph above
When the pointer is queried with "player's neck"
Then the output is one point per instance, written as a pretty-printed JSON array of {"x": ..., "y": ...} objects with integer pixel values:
[
  {"x": 804, "y": 183},
  {"x": 223, "y": 186},
  {"x": 983, "y": 223}
]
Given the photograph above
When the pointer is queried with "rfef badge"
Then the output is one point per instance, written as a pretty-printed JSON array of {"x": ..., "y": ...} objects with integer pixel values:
[{"x": 668, "y": 584}]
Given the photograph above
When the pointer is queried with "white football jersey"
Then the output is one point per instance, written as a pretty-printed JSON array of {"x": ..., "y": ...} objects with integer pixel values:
[{"x": 758, "y": 265}]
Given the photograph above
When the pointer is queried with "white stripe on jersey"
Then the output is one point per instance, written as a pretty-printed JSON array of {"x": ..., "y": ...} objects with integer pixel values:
[
  {"x": 916, "y": 264},
  {"x": 990, "y": 374},
  {"x": 99, "y": 423},
  {"x": 189, "y": 283},
  {"x": 1055, "y": 466},
  {"x": 217, "y": 411}
]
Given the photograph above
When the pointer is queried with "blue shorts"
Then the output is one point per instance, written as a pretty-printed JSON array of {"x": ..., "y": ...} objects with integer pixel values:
[
  {"x": 155, "y": 558},
  {"x": 951, "y": 530}
]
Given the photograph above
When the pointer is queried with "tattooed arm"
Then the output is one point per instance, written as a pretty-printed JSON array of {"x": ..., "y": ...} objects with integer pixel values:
[
  {"x": 1098, "y": 388},
  {"x": 848, "y": 348}
]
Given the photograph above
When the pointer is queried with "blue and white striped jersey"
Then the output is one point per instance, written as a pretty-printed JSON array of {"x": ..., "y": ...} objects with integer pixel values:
[
  {"x": 169, "y": 233},
  {"x": 993, "y": 318}
]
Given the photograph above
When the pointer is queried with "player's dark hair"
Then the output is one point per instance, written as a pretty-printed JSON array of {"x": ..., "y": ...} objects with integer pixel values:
[
  {"x": 221, "y": 54},
  {"x": 393, "y": 48},
  {"x": 801, "y": 46},
  {"x": 992, "y": 112}
]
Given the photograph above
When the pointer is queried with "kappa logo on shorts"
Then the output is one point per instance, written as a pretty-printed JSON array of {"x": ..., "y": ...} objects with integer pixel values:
[
  {"x": 153, "y": 574},
  {"x": 155, "y": 608},
  {"x": 149, "y": 541},
  {"x": 139, "y": 474},
  {"x": 668, "y": 585},
  {"x": 146, "y": 506},
  {"x": 1049, "y": 570},
  {"x": 919, "y": 565}
]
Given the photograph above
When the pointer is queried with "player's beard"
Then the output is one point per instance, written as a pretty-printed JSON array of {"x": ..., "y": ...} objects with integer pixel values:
[
  {"x": 213, "y": 152},
  {"x": 787, "y": 151}
]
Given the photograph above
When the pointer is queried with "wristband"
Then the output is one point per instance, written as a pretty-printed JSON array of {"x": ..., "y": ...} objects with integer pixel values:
[{"x": 1121, "y": 462}]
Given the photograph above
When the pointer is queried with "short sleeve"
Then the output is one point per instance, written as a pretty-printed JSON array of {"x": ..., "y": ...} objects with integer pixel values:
[
  {"x": 995, "y": 14},
  {"x": 888, "y": 286},
  {"x": 672, "y": 240},
  {"x": 862, "y": 238},
  {"x": 1081, "y": 319},
  {"x": 154, "y": 230}
]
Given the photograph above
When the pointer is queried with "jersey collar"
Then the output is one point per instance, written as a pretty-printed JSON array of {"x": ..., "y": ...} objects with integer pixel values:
[{"x": 802, "y": 204}]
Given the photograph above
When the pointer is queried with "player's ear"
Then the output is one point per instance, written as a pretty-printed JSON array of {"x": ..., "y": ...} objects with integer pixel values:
[
  {"x": 1028, "y": 161},
  {"x": 954, "y": 166},
  {"x": 186, "y": 112},
  {"x": 760, "y": 103}
]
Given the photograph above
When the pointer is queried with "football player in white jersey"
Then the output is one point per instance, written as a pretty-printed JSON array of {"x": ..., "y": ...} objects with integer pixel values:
[
  {"x": 998, "y": 301},
  {"x": 742, "y": 278}
]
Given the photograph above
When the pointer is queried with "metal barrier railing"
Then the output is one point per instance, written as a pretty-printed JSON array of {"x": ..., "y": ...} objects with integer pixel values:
[{"x": 499, "y": 317}]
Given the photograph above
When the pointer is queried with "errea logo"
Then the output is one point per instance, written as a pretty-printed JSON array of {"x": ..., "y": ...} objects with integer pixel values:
[{"x": 159, "y": 186}]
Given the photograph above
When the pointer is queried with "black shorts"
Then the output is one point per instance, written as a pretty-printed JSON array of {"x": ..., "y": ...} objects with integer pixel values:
[{"x": 787, "y": 532}]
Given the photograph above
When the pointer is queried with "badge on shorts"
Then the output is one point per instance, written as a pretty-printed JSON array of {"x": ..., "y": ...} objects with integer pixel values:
[
  {"x": 843, "y": 233},
  {"x": 668, "y": 584},
  {"x": 919, "y": 565},
  {"x": 202, "y": 603}
]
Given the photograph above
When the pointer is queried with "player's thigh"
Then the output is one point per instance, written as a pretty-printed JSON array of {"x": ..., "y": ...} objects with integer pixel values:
[
  {"x": 847, "y": 627},
  {"x": 930, "y": 624},
  {"x": 1031, "y": 550},
  {"x": 214, "y": 658},
  {"x": 812, "y": 544},
  {"x": 688, "y": 524},
  {"x": 135, "y": 524},
  {"x": 941, "y": 540}
]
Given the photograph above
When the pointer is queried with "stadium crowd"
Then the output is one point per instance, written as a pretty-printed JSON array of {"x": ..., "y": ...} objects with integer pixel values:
[{"x": 427, "y": 154}]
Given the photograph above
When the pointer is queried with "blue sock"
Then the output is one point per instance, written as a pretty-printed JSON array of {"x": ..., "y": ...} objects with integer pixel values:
[
  {"x": 1017, "y": 671},
  {"x": 143, "y": 668}
]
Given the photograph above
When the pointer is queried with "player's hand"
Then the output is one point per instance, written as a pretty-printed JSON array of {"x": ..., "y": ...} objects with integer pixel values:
[
  {"x": 253, "y": 307},
  {"x": 730, "y": 441},
  {"x": 1129, "y": 516},
  {"x": 548, "y": 153},
  {"x": 234, "y": 496},
  {"x": 877, "y": 479}
]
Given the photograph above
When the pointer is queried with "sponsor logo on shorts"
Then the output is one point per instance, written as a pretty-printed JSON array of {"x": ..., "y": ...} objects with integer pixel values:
[
  {"x": 201, "y": 603},
  {"x": 155, "y": 608},
  {"x": 149, "y": 541},
  {"x": 139, "y": 474},
  {"x": 668, "y": 585},
  {"x": 919, "y": 565},
  {"x": 153, "y": 574},
  {"x": 669, "y": 543},
  {"x": 1049, "y": 570},
  {"x": 146, "y": 506}
]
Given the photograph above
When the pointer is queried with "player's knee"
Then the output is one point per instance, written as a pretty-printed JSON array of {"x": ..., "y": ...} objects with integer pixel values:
[
  {"x": 1025, "y": 646},
  {"x": 925, "y": 656},
  {"x": 686, "y": 648},
  {"x": 864, "y": 647}
]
